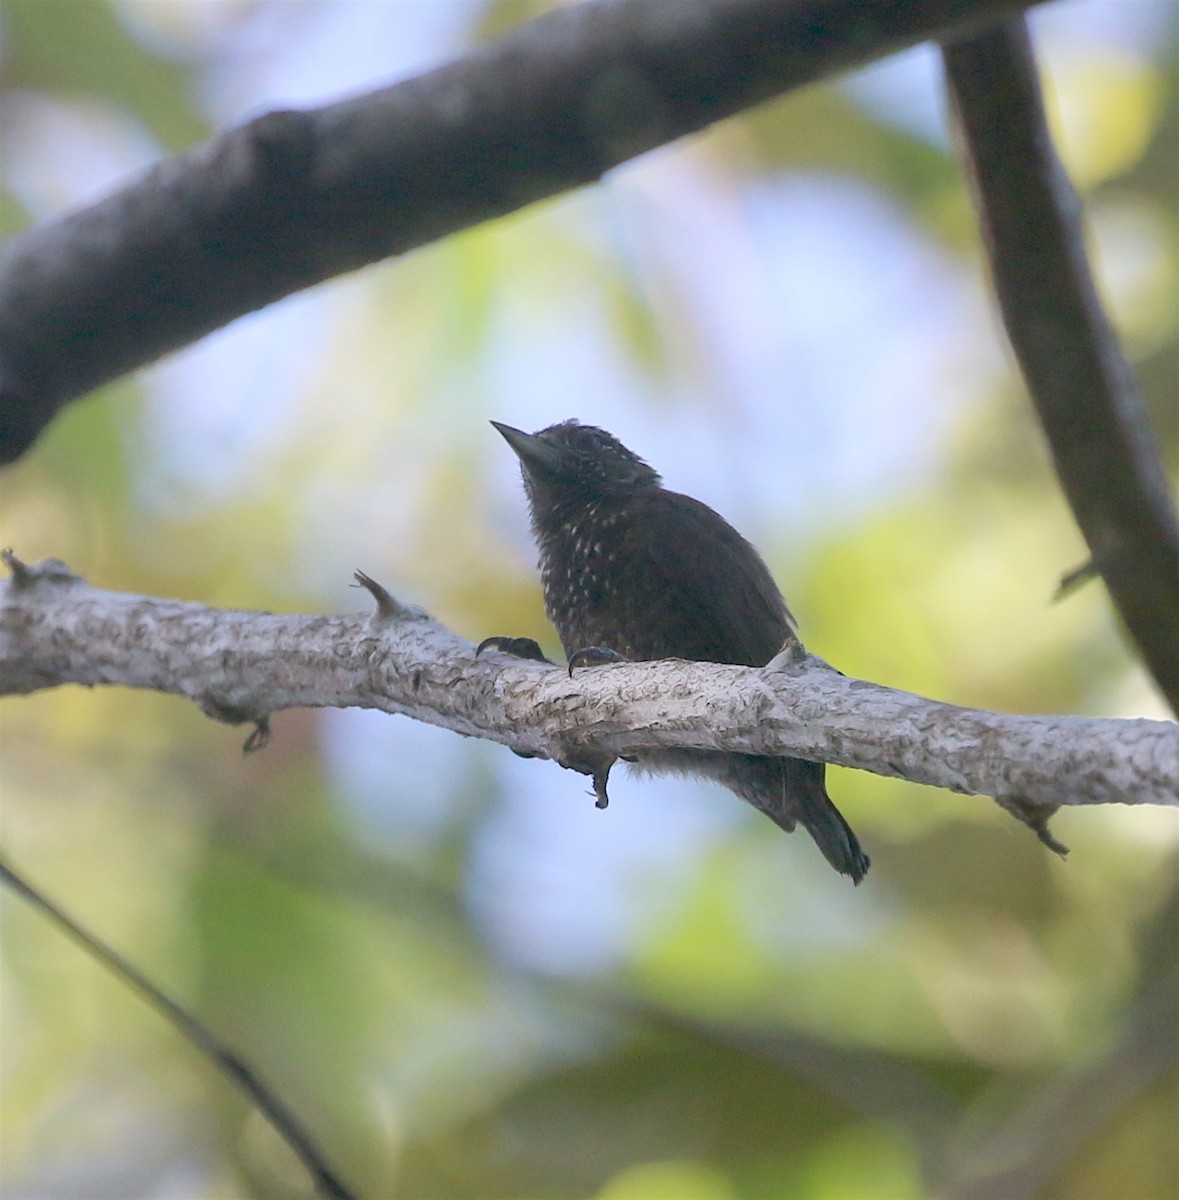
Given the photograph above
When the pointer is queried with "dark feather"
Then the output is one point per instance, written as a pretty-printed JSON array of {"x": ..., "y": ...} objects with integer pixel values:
[
  {"x": 705, "y": 568},
  {"x": 630, "y": 567}
]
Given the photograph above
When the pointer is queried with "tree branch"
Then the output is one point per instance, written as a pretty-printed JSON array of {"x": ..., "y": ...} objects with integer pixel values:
[
  {"x": 230, "y": 1064},
  {"x": 294, "y": 198},
  {"x": 243, "y": 666},
  {"x": 1077, "y": 375}
]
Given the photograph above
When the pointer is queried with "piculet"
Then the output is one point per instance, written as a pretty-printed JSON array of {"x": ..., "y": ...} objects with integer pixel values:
[{"x": 629, "y": 567}]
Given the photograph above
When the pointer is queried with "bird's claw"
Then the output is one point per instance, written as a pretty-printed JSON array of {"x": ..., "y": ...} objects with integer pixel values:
[
  {"x": 517, "y": 647},
  {"x": 594, "y": 656},
  {"x": 601, "y": 800},
  {"x": 587, "y": 761}
]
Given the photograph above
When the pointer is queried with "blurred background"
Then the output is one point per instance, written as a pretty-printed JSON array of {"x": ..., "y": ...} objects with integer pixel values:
[{"x": 467, "y": 980}]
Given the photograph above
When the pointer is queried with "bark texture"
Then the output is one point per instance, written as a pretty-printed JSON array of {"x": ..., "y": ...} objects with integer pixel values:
[{"x": 242, "y": 666}]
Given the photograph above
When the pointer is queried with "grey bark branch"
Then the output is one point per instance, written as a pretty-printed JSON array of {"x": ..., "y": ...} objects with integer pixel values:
[
  {"x": 1077, "y": 375},
  {"x": 243, "y": 666},
  {"x": 294, "y": 198}
]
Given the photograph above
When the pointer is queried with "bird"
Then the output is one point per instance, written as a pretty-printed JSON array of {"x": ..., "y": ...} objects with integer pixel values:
[{"x": 632, "y": 570}]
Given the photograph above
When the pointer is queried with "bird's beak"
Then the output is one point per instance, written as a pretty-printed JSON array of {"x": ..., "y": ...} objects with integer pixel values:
[{"x": 534, "y": 453}]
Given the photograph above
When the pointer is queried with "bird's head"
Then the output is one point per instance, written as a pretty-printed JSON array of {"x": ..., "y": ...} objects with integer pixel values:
[{"x": 571, "y": 459}]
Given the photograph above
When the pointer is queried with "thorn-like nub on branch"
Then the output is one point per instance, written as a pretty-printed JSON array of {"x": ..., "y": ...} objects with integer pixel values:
[
  {"x": 388, "y": 606},
  {"x": 21, "y": 576},
  {"x": 790, "y": 659},
  {"x": 259, "y": 737},
  {"x": 49, "y": 570},
  {"x": 1076, "y": 578},
  {"x": 1035, "y": 817}
]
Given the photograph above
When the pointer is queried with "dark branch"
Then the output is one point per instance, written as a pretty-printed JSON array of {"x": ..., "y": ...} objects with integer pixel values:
[
  {"x": 294, "y": 198},
  {"x": 1076, "y": 372}
]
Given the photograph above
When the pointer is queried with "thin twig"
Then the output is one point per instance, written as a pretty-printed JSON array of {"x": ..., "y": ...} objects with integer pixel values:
[
  {"x": 1076, "y": 372},
  {"x": 207, "y": 1043}
]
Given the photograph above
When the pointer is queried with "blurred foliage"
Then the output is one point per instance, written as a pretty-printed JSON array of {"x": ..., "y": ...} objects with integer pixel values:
[
  {"x": 81, "y": 49},
  {"x": 978, "y": 1020}
]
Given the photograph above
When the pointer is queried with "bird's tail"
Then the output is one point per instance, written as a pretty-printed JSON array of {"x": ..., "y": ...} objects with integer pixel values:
[{"x": 792, "y": 791}]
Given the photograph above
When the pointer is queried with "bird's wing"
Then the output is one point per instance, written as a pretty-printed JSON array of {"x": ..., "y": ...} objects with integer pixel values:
[{"x": 715, "y": 574}]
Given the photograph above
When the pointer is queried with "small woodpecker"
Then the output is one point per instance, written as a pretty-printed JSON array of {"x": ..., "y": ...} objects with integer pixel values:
[{"x": 633, "y": 570}]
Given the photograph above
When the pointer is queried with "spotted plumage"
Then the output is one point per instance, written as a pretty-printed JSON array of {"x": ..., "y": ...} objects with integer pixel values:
[{"x": 629, "y": 566}]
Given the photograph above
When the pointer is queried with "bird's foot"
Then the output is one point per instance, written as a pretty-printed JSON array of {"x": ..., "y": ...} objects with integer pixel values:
[
  {"x": 517, "y": 647},
  {"x": 601, "y": 800},
  {"x": 594, "y": 656},
  {"x": 593, "y": 763}
]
